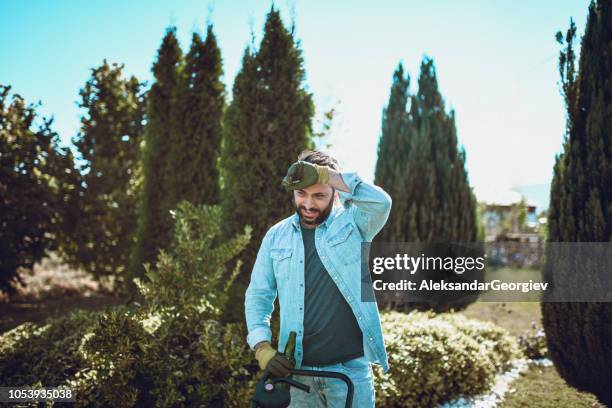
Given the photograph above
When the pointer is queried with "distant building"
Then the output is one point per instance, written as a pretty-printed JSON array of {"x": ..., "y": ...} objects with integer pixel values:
[
  {"x": 513, "y": 233},
  {"x": 511, "y": 222}
]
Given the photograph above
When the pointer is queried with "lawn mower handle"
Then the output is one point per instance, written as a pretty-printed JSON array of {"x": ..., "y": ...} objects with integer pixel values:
[{"x": 267, "y": 395}]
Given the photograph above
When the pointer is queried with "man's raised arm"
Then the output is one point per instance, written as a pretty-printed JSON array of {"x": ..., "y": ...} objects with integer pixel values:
[{"x": 371, "y": 204}]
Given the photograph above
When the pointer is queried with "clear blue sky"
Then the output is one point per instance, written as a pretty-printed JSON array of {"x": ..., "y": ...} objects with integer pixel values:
[{"x": 496, "y": 63}]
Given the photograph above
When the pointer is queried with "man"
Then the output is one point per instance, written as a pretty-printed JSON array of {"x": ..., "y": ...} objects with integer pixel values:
[{"x": 312, "y": 260}]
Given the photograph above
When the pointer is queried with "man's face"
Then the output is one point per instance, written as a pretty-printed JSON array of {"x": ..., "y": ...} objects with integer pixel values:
[{"x": 314, "y": 203}]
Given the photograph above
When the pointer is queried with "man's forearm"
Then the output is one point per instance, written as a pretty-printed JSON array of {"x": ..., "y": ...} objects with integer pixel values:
[
  {"x": 336, "y": 181},
  {"x": 371, "y": 204}
]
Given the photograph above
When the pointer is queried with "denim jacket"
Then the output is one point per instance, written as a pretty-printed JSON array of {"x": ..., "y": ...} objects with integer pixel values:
[{"x": 279, "y": 269}]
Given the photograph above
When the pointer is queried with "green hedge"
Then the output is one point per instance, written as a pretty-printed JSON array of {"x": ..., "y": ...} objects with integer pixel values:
[
  {"x": 48, "y": 353},
  {"x": 164, "y": 358},
  {"x": 436, "y": 358},
  {"x": 148, "y": 359}
]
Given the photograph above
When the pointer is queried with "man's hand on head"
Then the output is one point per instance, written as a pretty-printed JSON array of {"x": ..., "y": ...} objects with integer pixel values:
[{"x": 302, "y": 174}]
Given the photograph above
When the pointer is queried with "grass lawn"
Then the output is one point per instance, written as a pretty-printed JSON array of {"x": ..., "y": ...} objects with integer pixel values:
[
  {"x": 542, "y": 387},
  {"x": 516, "y": 317},
  {"x": 538, "y": 387}
]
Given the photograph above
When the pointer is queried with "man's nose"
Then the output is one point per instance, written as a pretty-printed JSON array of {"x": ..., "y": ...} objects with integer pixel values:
[{"x": 308, "y": 203}]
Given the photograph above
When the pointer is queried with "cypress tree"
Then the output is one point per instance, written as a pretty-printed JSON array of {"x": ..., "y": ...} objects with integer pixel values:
[
  {"x": 578, "y": 334},
  {"x": 37, "y": 178},
  {"x": 432, "y": 197},
  {"x": 197, "y": 123},
  {"x": 154, "y": 227},
  {"x": 393, "y": 148},
  {"x": 267, "y": 124},
  {"x": 109, "y": 142}
]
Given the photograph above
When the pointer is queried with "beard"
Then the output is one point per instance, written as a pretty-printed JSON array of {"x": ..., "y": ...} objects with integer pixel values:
[{"x": 321, "y": 217}]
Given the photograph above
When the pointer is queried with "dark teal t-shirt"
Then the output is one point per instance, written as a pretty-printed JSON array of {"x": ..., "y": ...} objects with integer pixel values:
[{"x": 331, "y": 332}]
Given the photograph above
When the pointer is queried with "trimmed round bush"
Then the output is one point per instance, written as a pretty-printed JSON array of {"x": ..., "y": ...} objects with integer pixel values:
[{"x": 437, "y": 358}]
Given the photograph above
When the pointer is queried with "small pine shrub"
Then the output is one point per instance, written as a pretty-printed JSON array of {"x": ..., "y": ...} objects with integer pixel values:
[{"x": 533, "y": 343}]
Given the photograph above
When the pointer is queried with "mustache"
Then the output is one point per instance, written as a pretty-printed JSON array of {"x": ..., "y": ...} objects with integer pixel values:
[{"x": 313, "y": 210}]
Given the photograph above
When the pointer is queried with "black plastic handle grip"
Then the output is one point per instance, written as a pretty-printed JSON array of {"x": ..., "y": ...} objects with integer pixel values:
[{"x": 291, "y": 381}]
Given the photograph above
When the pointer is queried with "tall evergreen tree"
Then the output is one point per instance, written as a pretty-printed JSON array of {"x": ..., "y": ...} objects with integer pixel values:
[
  {"x": 196, "y": 143},
  {"x": 578, "y": 334},
  {"x": 425, "y": 168},
  {"x": 108, "y": 142},
  {"x": 426, "y": 174},
  {"x": 154, "y": 227},
  {"x": 393, "y": 147},
  {"x": 36, "y": 179},
  {"x": 267, "y": 124}
]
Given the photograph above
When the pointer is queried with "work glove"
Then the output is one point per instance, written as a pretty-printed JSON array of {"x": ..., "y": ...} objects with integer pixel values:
[
  {"x": 268, "y": 358},
  {"x": 302, "y": 174}
]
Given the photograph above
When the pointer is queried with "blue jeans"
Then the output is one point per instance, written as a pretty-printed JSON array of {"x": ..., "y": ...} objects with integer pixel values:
[{"x": 331, "y": 392}]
